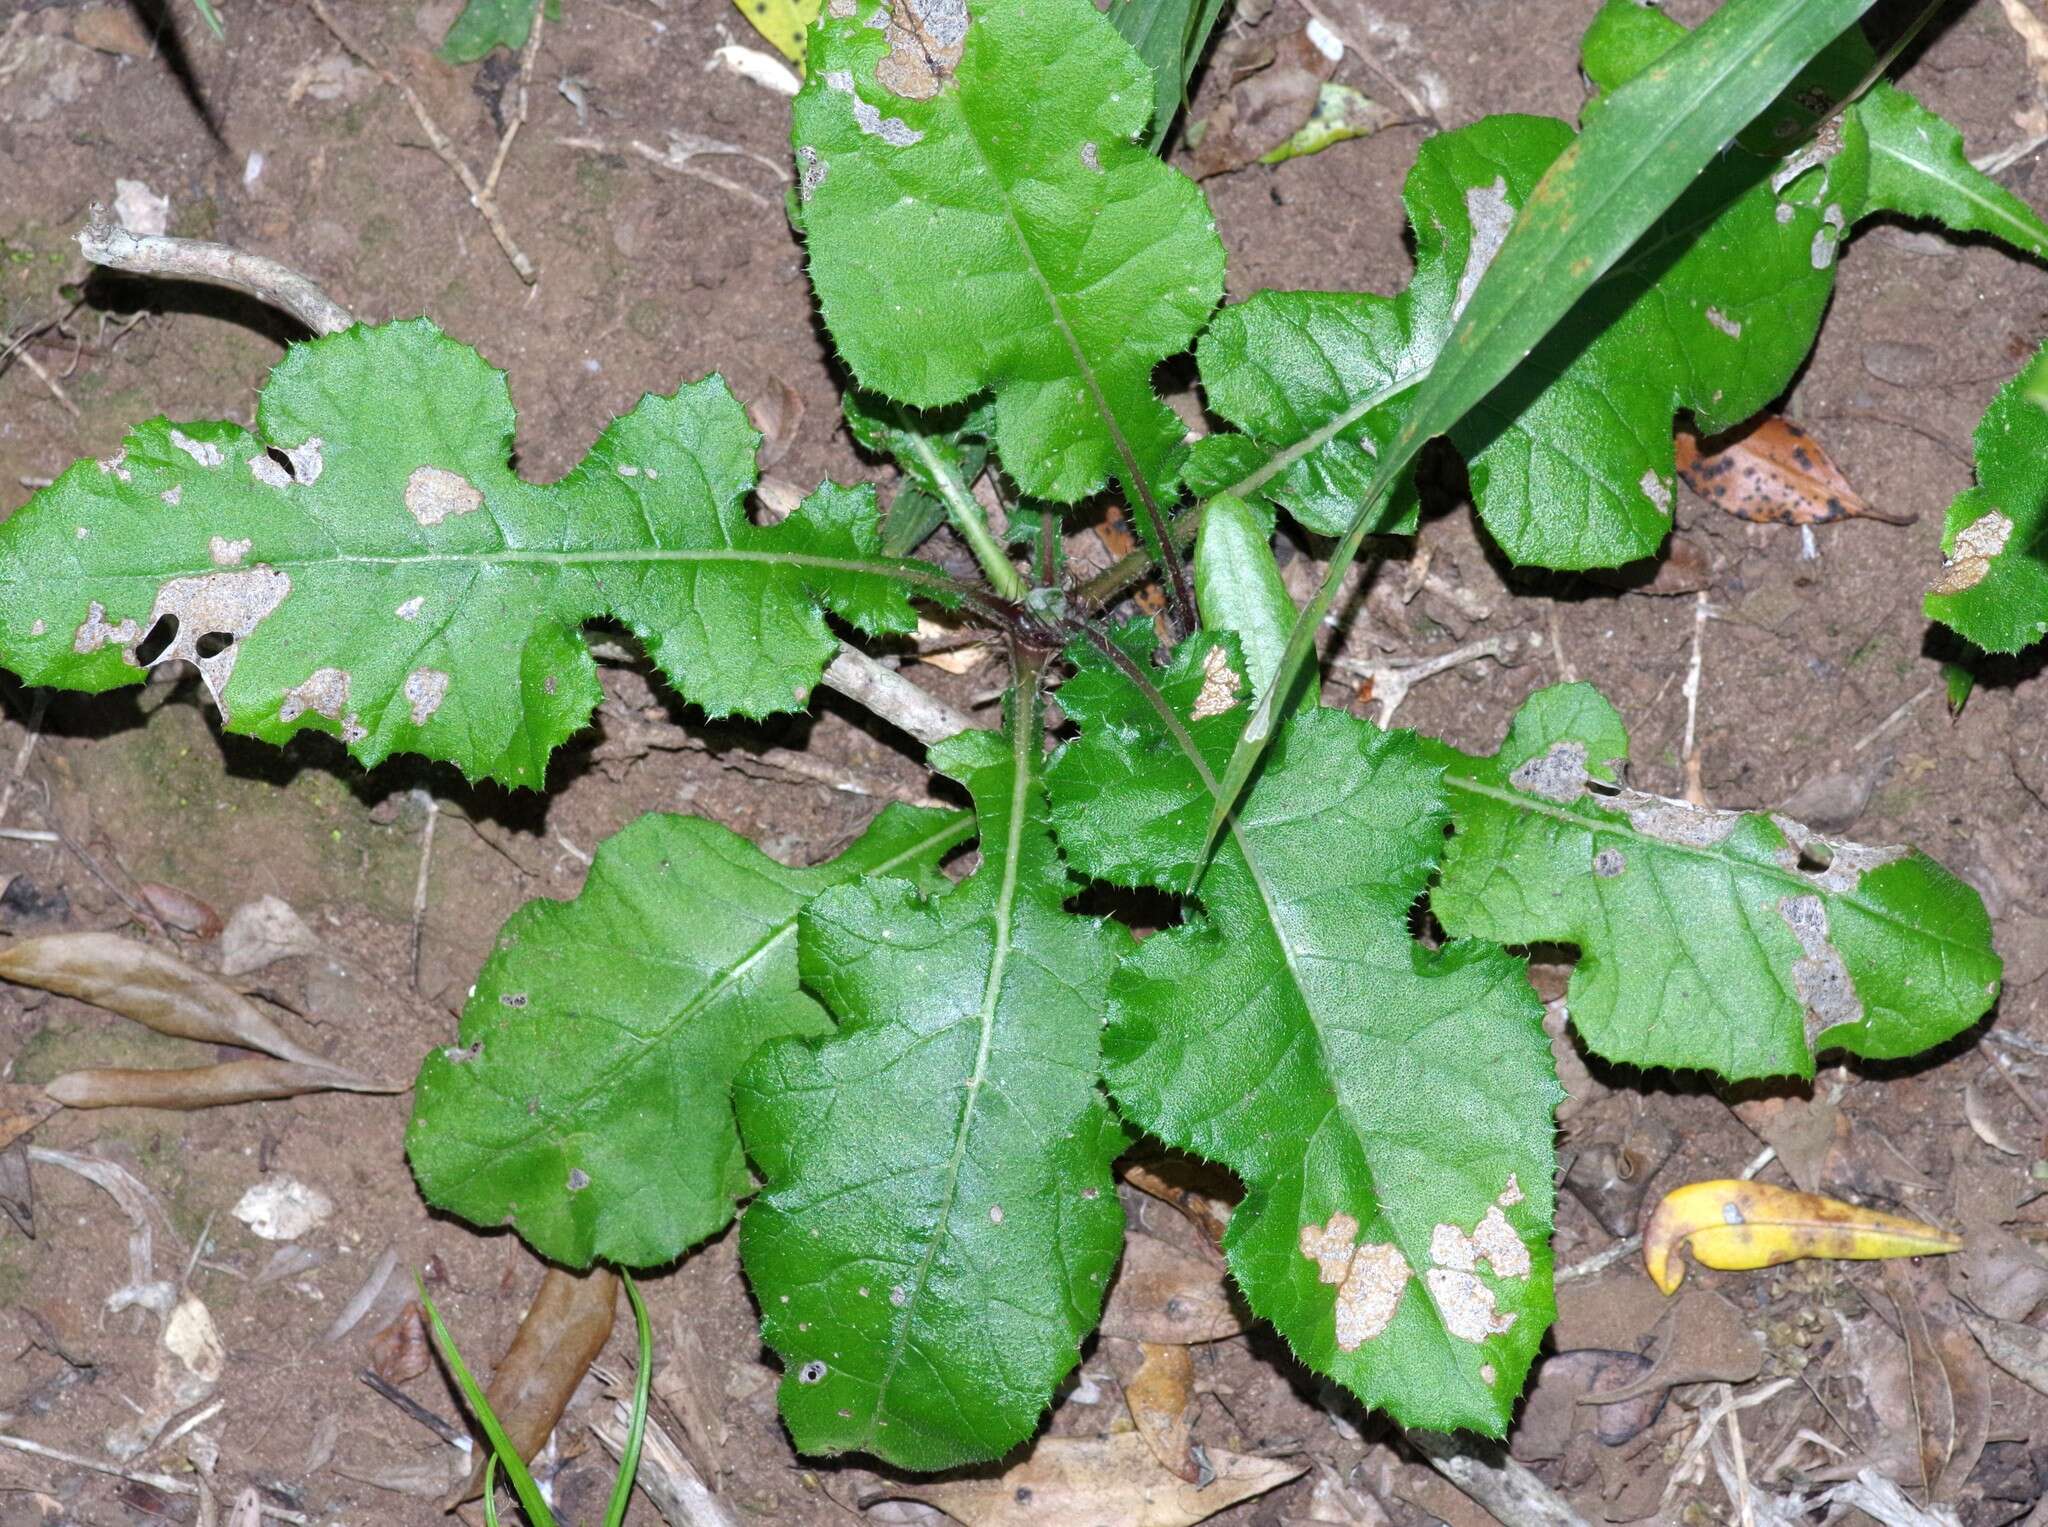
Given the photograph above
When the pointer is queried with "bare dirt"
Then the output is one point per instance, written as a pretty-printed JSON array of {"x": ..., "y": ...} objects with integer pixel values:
[{"x": 1821, "y": 683}]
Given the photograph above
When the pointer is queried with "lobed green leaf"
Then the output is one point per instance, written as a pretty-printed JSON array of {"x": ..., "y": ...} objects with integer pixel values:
[
  {"x": 379, "y": 572},
  {"x": 1742, "y": 944},
  {"x": 1993, "y": 588},
  {"x": 1388, "y": 1107},
  {"x": 939, "y": 1223},
  {"x": 586, "y": 1101}
]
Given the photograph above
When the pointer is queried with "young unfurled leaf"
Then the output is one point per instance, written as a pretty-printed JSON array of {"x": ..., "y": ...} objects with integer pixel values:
[
  {"x": 379, "y": 571},
  {"x": 978, "y": 215},
  {"x": 1738, "y": 944},
  {"x": 1736, "y": 1225},
  {"x": 1775, "y": 473},
  {"x": 1712, "y": 311},
  {"x": 1388, "y": 1107},
  {"x": 942, "y": 453},
  {"x": 586, "y": 1101},
  {"x": 939, "y": 1223},
  {"x": 1993, "y": 589}
]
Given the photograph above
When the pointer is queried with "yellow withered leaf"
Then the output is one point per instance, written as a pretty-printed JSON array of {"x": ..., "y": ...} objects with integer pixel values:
[
  {"x": 782, "y": 22},
  {"x": 1735, "y": 1225}
]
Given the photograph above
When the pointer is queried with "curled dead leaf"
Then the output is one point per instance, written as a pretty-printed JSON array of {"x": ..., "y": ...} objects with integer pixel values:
[
  {"x": 564, "y": 1330},
  {"x": 1271, "y": 99},
  {"x": 1098, "y": 1479},
  {"x": 180, "y": 909},
  {"x": 1161, "y": 1397},
  {"x": 1204, "y": 1193},
  {"x": 1773, "y": 472},
  {"x": 778, "y": 415},
  {"x": 1737, "y": 1225},
  {"x": 1950, "y": 1382},
  {"x": 157, "y": 990},
  {"x": 234, "y": 1081},
  {"x": 401, "y": 1351}
]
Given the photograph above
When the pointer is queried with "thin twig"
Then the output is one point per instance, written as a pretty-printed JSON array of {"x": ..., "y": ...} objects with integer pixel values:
[
  {"x": 37, "y": 712},
  {"x": 1695, "y": 788},
  {"x": 1599, "y": 1261},
  {"x": 479, "y": 197},
  {"x": 109, "y": 244},
  {"x": 682, "y": 149},
  {"x": 42, "y": 375},
  {"x": 419, "y": 885},
  {"x": 892, "y": 697},
  {"x": 1898, "y": 715},
  {"x": 518, "y": 119}
]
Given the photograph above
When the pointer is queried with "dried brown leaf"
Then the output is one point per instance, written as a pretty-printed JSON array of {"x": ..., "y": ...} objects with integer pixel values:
[
  {"x": 1100, "y": 1480},
  {"x": 22, "y": 1108},
  {"x": 1950, "y": 1385},
  {"x": 1266, "y": 106},
  {"x": 401, "y": 1351},
  {"x": 1773, "y": 472},
  {"x": 1161, "y": 1397},
  {"x": 778, "y": 416},
  {"x": 1164, "y": 1294},
  {"x": 2018, "y": 1348},
  {"x": 178, "y": 908},
  {"x": 1206, "y": 1194},
  {"x": 564, "y": 1330},
  {"x": 234, "y": 1081},
  {"x": 157, "y": 990}
]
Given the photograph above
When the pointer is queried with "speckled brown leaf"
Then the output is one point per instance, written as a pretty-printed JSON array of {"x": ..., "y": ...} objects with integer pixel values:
[
  {"x": 1773, "y": 472},
  {"x": 1094, "y": 1480},
  {"x": 1164, "y": 1294}
]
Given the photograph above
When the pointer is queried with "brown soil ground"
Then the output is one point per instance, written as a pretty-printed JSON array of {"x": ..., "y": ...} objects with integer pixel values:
[{"x": 1821, "y": 680}]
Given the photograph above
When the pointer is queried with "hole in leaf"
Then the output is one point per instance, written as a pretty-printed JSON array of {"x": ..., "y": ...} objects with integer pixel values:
[
  {"x": 812, "y": 1372},
  {"x": 1602, "y": 786},
  {"x": 214, "y": 643},
  {"x": 1145, "y": 911},
  {"x": 1815, "y": 856},
  {"x": 281, "y": 461},
  {"x": 160, "y": 636}
]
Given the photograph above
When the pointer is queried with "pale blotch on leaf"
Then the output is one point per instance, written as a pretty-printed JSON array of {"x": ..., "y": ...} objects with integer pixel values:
[
  {"x": 95, "y": 632},
  {"x": 1656, "y": 492},
  {"x": 268, "y": 472},
  {"x": 1091, "y": 158},
  {"x": 1511, "y": 1194},
  {"x": 1493, "y": 1241},
  {"x": 1609, "y": 862},
  {"x": 307, "y": 461},
  {"x": 112, "y": 464},
  {"x": 1678, "y": 822},
  {"x": 1370, "y": 1279},
  {"x": 1559, "y": 775},
  {"x": 1466, "y": 1304},
  {"x": 432, "y": 494},
  {"x": 172, "y": 494},
  {"x": 1724, "y": 323},
  {"x": 216, "y": 605},
  {"x": 1820, "y": 977},
  {"x": 1491, "y": 215},
  {"x": 410, "y": 610},
  {"x": 1970, "y": 559},
  {"x": 811, "y": 171},
  {"x": 578, "y": 1179},
  {"x": 325, "y": 692},
  {"x": 893, "y": 131},
  {"x": 205, "y": 452},
  {"x": 926, "y": 39},
  {"x": 425, "y": 689},
  {"x": 1839, "y": 867},
  {"x": 1219, "y": 686},
  {"x": 226, "y": 553}
]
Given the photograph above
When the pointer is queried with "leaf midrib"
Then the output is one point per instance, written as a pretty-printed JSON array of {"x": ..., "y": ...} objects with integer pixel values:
[
  {"x": 1023, "y": 756},
  {"x": 1792, "y": 879}
]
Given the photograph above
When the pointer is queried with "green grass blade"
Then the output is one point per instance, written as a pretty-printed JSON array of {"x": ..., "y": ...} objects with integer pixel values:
[
  {"x": 629, "y": 1458},
  {"x": 491, "y": 1491},
  {"x": 1633, "y": 161},
  {"x": 211, "y": 17},
  {"x": 502, "y": 1450}
]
